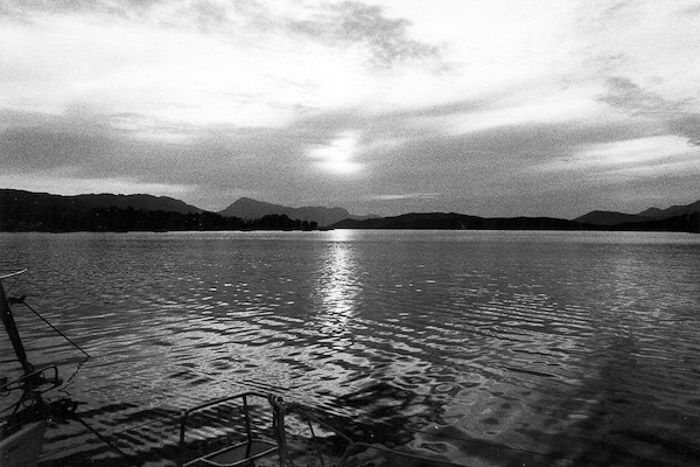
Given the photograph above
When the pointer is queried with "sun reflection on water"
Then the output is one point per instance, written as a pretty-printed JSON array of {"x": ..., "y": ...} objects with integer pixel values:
[{"x": 337, "y": 285}]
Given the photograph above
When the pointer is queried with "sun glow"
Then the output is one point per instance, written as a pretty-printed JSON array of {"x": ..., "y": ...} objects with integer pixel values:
[{"x": 336, "y": 156}]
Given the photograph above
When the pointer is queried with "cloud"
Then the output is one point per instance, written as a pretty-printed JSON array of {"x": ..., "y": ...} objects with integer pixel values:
[
  {"x": 623, "y": 93},
  {"x": 405, "y": 166},
  {"x": 351, "y": 22},
  {"x": 686, "y": 125},
  {"x": 347, "y": 102},
  {"x": 405, "y": 196},
  {"x": 637, "y": 152},
  {"x": 692, "y": 11},
  {"x": 673, "y": 116},
  {"x": 27, "y": 9}
]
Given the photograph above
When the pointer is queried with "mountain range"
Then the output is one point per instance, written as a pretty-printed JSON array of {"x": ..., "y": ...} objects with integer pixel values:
[
  {"x": 247, "y": 208},
  {"x": 25, "y": 211},
  {"x": 28, "y": 201},
  {"x": 453, "y": 221},
  {"x": 609, "y": 218}
]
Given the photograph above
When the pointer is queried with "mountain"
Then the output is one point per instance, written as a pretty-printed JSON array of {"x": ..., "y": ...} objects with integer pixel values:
[
  {"x": 22, "y": 211},
  {"x": 454, "y": 221},
  {"x": 26, "y": 210},
  {"x": 138, "y": 203},
  {"x": 673, "y": 211},
  {"x": 247, "y": 208},
  {"x": 31, "y": 200},
  {"x": 610, "y": 218},
  {"x": 683, "y": 223}
]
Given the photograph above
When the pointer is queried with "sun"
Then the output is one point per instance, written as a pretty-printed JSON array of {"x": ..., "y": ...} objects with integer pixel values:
[{"x": 337, "y": 156}]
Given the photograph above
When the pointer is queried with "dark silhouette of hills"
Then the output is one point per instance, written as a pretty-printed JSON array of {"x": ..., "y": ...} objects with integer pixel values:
[
  {"x": 138, "y": 202},
  {"x": 25, "y": 201},
  {"x": 26, "y": 211},
  {"x": 610, "y": 218},
  {"x": 683, "y": 223},
  {"x": 673, "y": 211},
  {"x": 454, "y": 221},
  {"x": 247, "y": 208}
]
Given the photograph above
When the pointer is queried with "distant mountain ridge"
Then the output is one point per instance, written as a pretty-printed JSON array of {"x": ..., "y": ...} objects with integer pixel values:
[
  {"x": 248, "y": 208},
  {"x": 673, "y": 211},
  {"x": 454, "y": 221},
  {"x": 22, "y": 211},
  {"x": 28, "y": 211},
  {"x": 609, "y": 218},
  {"x": 141, "y": 202}
]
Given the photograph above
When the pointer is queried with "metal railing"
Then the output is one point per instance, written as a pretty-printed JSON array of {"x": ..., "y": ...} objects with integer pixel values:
[
  {"x": 253, "y": 447},
  {"x": 279, "y": 442}
]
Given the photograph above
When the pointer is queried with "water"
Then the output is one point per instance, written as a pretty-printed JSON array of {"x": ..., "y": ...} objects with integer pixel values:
[{"x": 486, "y": 348}]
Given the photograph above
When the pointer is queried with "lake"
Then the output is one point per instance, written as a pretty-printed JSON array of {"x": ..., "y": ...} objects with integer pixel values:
[{"x": 488, "y": 348}]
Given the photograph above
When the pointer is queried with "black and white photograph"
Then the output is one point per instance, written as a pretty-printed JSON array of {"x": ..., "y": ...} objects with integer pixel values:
[{"x": 349, "y": 233}]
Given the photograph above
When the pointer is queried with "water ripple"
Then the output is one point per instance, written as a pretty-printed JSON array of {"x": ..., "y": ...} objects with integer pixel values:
[{"x": 487, "y": 348}]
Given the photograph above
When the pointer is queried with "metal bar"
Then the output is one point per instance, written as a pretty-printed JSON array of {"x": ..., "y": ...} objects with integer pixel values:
[
  {"x": 181, "y": 449},
  {"x": 246, "y": 414},
  {"x": 248, "y": 432},
  {"x": 313, "y": 440},
  {"x": 224, "y": 399},
  {"x": 278, "y": 410},
  {"x": 11, "y": 327}
]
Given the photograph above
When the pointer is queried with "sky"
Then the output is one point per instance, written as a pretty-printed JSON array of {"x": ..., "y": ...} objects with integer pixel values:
[{"x": 492, "y": 108}]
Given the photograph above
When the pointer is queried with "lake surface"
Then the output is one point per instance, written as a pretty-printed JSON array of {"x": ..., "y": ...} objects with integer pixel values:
[{"x": 487, "y": 348}]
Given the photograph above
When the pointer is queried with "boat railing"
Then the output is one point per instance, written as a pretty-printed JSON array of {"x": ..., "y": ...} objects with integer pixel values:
[
  {"x": 253, "y": 446},
  {"x": 289, "y": 444},
  {"x": 309, "y": 418},
  {"x": 358, "y": 453}
]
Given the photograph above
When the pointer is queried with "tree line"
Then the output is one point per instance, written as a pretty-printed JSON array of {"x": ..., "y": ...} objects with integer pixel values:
[{"x": 114, "y": 219}]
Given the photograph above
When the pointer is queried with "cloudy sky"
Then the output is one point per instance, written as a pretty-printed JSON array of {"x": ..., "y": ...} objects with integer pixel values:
[{"x": 480, "y": 107}]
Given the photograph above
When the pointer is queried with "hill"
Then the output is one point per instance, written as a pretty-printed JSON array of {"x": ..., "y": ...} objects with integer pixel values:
[
  {"x": 683, "y": 223},
  {"x": 28, "y": 202},
  {"x": 247, "y": 208},
  {"x": 26, "y": 211},
  {"x": 611, "y": 218},
  {"x": 673, "y": 211},
  {"x": 454, "y": 221},
  {"x": 137, "y": 202}
]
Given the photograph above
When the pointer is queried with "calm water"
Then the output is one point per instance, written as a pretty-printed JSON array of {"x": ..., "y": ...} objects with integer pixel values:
[{"x": 489, "y": 348}]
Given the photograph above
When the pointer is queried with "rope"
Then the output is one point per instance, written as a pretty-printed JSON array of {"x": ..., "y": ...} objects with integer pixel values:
[
  {"x": 103, "y": 438},
  {"x": 23, "y": 302}
]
